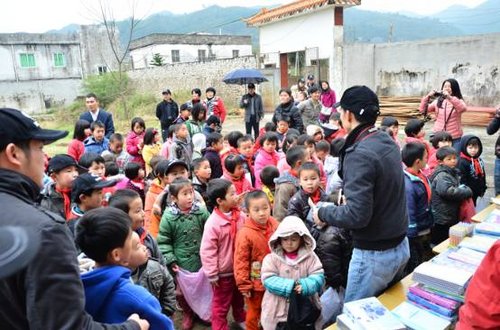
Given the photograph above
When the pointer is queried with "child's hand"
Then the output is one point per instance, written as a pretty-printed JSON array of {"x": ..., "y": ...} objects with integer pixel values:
[
  {"x": 241, "y": 197},
  {"x": 246, "y": 294},
  {"x": 215, "y": 283},
  {"x": 298, "y": 289},
  {"x": 175, "y": 268}
]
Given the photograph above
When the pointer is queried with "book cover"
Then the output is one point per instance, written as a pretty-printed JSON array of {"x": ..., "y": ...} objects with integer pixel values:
[
  {"x": 345, "y": 323},
  {"x": 478, "y": 242},
  {"x": 419, "y": 290},
  {"x": 419, "y": 319},
  {"x": 456, "y": 297},
  {"x": 488, "y": 228},
  {"x": 467, "y": 255},
  {"x": 429, "y": 305},
  {"x": 442, "y": 277},
  {"x": 369, "y": 313}
]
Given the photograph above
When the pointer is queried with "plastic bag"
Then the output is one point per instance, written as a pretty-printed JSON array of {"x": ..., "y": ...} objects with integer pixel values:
[
  {"x": 467, "y": 210},
  {"x": 332, "y": 302},
  {"x": 197, "y": 291}
]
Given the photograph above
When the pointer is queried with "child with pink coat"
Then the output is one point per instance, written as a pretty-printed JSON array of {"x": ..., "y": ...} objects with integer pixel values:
[
  {"x": 135, "y": 140},
  {"x": 266, "y": 156}
]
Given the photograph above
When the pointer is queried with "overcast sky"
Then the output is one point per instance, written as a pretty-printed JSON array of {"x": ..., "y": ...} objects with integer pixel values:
[{"x": 41, "y": 15}]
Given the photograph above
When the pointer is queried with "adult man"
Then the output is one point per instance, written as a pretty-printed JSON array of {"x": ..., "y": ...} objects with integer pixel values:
[
  {"x": 95, "y": 113},
  {"x": 254, "y": 110},
  {"x": 166, "y": 112},
  {"x": 374, "y": 207},
  {"x": 310, "y": 81},
  {"x": 310, "y": 108},
  {"x": 48, "y": 294}
]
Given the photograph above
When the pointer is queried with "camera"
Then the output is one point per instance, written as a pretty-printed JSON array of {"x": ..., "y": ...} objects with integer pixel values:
[{"x": 438, "y": 94}]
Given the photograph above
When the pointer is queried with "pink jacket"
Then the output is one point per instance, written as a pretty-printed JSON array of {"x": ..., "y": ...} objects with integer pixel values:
[
  {"x": 262, "y": 160},
  {"x": 242, "y": 185},
  {"x": 328, "y": 98},
  {"x": 76, "y": 149},
  {"x": 448, "y": 117},
  {"x": 133, "y": 141},
  {"x": 217, "y": 246}
]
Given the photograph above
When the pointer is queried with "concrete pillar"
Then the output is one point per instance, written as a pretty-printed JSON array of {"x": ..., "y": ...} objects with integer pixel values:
[{"x": 336, "y": 60}]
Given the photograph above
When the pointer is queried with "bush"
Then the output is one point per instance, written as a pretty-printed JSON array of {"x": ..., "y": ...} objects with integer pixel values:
[{"x": 107, "y": 87}]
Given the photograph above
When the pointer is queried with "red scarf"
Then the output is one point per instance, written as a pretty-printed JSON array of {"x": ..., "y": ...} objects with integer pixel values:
[
  {"x": 293, "y": 173},
  {"x": 424, "y": 180},
  {"x": 475, "y": 161},
  {"x": 316, "y": 196},
  {"x": 66, "y": 193},
  {"x": 233, "y": 220}
]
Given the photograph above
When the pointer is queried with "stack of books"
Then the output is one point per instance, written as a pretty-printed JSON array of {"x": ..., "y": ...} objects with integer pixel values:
[
  {"x": 368, "y": 313},
  {"x": 488, "y": 228}
]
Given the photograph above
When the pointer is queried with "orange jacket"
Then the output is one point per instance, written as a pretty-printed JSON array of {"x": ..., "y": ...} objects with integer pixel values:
[
  {"x": 152, "y": 221},
  {"x": 251, "y": 248}
]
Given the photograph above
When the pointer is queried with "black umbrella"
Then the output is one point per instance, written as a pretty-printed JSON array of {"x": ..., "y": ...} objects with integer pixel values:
[{"x": 244, "y": 77}]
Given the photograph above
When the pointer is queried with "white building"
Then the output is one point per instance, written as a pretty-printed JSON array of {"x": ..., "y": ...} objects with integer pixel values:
[
  {"x": 178, "y": 48},
  {"x": 303, "y": 37}
]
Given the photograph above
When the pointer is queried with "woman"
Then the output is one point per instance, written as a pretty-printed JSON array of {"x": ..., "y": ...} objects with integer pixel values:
[
  {"x": 492, "y": 129},
  {"x": 327, "y": 99},
  {"x": 288, "y": 109},
  {"x": 448, "y": 106}
]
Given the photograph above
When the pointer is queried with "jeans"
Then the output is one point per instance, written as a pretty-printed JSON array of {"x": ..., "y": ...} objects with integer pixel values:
[
  {"x": 252, "y": 123},
  {"x": 371, "y": 271},
  {"x": 455, "y": 143},
  {"x": 497, "y": 176}
]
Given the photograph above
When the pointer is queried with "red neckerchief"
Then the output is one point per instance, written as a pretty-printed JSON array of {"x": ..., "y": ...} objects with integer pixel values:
[
  {"x": 316, "y": 196},
  {"x": 293, "y": 173},
  {"x": 65, "y": 193},
  {"x": 233, "y": 220},
  {"x": 142, "y": 234},
  {"x": 424, "y": 179},
  {"x": 475, "y": 162}
]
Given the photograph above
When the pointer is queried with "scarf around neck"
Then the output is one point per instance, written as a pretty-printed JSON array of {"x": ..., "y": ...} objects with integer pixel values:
[
  {"x": 475, "y": 162},
  {"x": 66, "y": 194}
]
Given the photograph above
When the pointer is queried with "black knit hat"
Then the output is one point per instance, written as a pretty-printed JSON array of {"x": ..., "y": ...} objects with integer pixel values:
[{"x": 360, "y": 100}]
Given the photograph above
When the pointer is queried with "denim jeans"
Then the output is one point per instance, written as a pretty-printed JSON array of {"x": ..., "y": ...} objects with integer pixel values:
[
  {"x": 371, "y": 271},
  {"x": 497, "y": 176},
  {"x": 456, "y": 144}
]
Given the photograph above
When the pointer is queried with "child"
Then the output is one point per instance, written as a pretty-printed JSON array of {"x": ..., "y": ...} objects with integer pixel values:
[
  {"x": 330, "y": 166},
  {"x": 130, "y": 202},
  {"x": 334, "y": 182},
  {"x": 291, "y": 266},
  {"x": 235, "y": 173},
  {"x": 151, "y": 148},
  {"x": 251, "y": 248},
  {"x": 199, "y": 144},
  {"x": 94, "y": 163},
  {"x": 414, "y": 131},
  {"x": 268, "y": 127},
  {"x": 198, "y": 116},
  {"x": 335, "y": 125},
  {"x": 439, "y": 140},
  {"x": 151, "y": 220},
  {"x": 245, "y": 151},
  {"x": 310, "y": 144},
  {"x": 152, "y": 276},
  {"x": 393, "y": 124},
  {"x": 212, "y": 125},
  {"x": 97, "y": 142},
  {"x": 180, "y": 235},
  {"x": 135, "y": 175},
  {"x": 471, "y": 166},
  {"x": 120, "y": 157},
  {"x": 135, "y": 140},
  {"x": 184, "y": 114},
  {"x": 167, "y": 145},
  {"x": 447, "y": 194},
  {"x": 267, "y": 177},
  {"x": 217, "y": 250},
  {"x": 63, "y": 170},
  {"x": 76, "y": 148},
  {"x": 418, "y": 202},
  {"x": 181, "y": 146},
  {"x": 290, "y": 141},
  {"x": 266, "y": 156},
  {"x": 282, "y": 127},
  {"x": 214, "y": 147},
  {"x": 202, "y": 173},
  {"x": 104, "y": 235},
  {"x": 231, "y": 147},
  {"x": 315, "y": 132}
]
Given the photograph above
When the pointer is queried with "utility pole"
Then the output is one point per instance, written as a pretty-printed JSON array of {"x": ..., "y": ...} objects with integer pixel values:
[{"x": 391, "y": 31}]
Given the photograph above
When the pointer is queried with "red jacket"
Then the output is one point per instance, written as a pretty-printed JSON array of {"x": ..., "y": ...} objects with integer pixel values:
[
  {"x": 216, "y": 107},
  {"x": 76, "y": 149}
]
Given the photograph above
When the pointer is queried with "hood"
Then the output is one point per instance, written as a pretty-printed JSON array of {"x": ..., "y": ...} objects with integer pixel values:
[
  {"x": 199, "y": 141},
  {"x": 463, "y": 145},
  {"x": 288, "y": 226},
  {"x": 19, "y": 185},
  {"x": 287, "y": 177},
  {"x": 100, "y": 284},
  {"x": 179, "y": 141},
  {"x": 173, "y": 209}
]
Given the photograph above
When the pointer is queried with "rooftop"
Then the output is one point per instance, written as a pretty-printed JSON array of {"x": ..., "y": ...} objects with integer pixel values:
[{"x": 190, "y": 39}]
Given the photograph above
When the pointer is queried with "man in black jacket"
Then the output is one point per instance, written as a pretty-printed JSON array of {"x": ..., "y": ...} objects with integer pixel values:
[
  {"x": 48, "y": 293},
  {"x": 166, "y": 112},
  {"x": 374, "y": 193}
]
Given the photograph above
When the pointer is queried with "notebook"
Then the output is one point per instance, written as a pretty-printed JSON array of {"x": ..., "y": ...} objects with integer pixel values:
[
  {"x": 419, "y": 319},
  {"x": 442, "y": 277},
  {"x": 369, "y": 313},
  {"x": 479, "y": 243},
  {"x": 488, "y": 228}
]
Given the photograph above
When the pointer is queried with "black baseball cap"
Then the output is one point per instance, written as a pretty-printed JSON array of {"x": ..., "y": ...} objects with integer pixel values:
[
  {"x": 60, "y": 162},
  {"x": 17, "y": 126},
  {"x": 86, "y": 182},
  {"x": 18, "y": 247},
  {"x": 310, "y": 77},
  {"x": 175, "y": 162},
  {"x": 251, "y": 85},
  {"x": 166, "y": 91},
  {"x": 212, "y": 119},
  {"x": 360, "y": 100}
]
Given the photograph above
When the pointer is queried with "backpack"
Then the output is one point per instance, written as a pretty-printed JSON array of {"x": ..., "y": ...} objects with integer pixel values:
[{"x": 302, "y": 314}]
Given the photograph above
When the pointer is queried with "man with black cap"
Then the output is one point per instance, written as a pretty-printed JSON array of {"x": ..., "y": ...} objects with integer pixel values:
[
  {"x": 254, "y": 110},
  {"x": 310, "y": 81},
  {"x": 166, "y": 112},
  {"x": 48, "y": 293},
  {"x": 374, "y": 203}
]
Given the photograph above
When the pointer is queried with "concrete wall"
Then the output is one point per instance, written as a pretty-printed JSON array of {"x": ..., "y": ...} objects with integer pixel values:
[{"x": 414, "y": 68}]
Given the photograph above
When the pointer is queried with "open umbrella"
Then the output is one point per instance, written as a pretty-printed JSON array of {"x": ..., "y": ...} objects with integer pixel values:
[{"x": 244, "y": 77}]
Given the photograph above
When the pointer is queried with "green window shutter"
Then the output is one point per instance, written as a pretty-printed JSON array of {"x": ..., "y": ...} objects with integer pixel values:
[
  {"x": 59, "y": 59},
  {"x": 27, "y": 60}
]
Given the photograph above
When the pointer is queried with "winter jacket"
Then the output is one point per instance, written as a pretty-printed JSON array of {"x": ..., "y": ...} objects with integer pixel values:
[
  {"x": 373, "y": 182},
  {"x": 133, "y": 141},
  {"x": 148, "y": 152},
  {"x": 492, "y": 128},
  {"x": 418, "y": 205},
  {"x": 427, "y": 145},
  {"x": 215, "y": 106},
  {"x": 151, "y": 220},
  {"x": 286, "y": 186},
  {"x": 76, "y": 149},
  {"x": 215, "y": 162},
  {"x": 291, "y": 111},
  {"x": 155, "y": 278},
  {"x": 242, "y": 184},
  {"x": 310, "y": 111},
  {"x": 448, "y": 116},
  {"x": 201, "y": 188},
  {"x": 180, "y": 236},
  {"x": 299, "y": 206},
  {"x": 447, "y": 194},
  {"x": 48, "y": 293},
  {"x": 104, "y": 117},
  {"x": 167, "y": 112},
  {"x": 328, "y": 98},
  {"x": 253, "y": 102},
  {"x": 110, "y": 296},
  {"x": 194, "y": 127},
  {"x": 181, "y": 149},
  {"x": 151, "y": 244},
  {"x": 217, "y": 245},
  {"x": 251, "y": 248},
  {"x": 53, "y": 200},
  {"x": 262, "y": 160},
  {"x": 91, "y": 145},
  {"x": 279, "y": 274},
  {"x": 468, "y": 176}
]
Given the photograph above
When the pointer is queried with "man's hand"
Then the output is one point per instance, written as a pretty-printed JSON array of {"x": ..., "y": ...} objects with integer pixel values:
[
  {"x": 143, "y": 324},
  {"x": 315, "y": 210}
]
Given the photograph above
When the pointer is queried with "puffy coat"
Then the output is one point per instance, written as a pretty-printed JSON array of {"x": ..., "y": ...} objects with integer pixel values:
[
  {"x": 280, "y": 274},
  {"x": 310, "y": 111},
  {"x": 447, "y": 194},
  {"x": 151, "y": 220},
  {"x": 291, "y": 111},
  {"x": 286, "y": 186},
  {"x": 418, "y": 205},
  {"x": 468, "y": 176},
  {"x": 215, "y": 106},
  {"x": 148, "y": 152},
  {"x": 194, "y": 127},
  {"x": 251, "y": 248},
  {"x": 52, "y": 200},
  {"x": 328, "y": 98},
  {"x": 91, "y": 145},
  {"x": 76, "y": 149},
  {"x": 180, "y": 236},
  {"x": 182, "y": 150},
  {"x": 133, "y": 142},
  {"x": 448, "y": 116},
  {"x": 262, "y": 160},
  {"x": 299, "y": 206}
]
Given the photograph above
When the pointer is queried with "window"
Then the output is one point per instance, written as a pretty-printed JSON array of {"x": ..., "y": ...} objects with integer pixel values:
[
  {"x": 59, "y": 60},
  {"x": 176, "y": 57},
  {"x": 27, "y": 60},
  {"x": 236, "y": 53},
  {"x": 202, "y": 55},
  {"x": 102, "y": 69}
]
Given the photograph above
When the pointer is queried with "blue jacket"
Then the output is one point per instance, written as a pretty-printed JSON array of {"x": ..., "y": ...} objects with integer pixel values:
[
  {"x": 111, "y": 297},
  {"x": 91, "y": 145},
  {"x": 418, "y": 205},
  {"x": 104, "y": 117}
]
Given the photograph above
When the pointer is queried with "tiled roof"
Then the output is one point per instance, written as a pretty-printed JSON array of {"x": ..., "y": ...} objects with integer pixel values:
[{"x": 300, "y": 6}]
